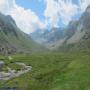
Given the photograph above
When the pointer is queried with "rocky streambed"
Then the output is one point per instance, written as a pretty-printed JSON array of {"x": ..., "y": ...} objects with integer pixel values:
[{"x": 13, "y": 73}]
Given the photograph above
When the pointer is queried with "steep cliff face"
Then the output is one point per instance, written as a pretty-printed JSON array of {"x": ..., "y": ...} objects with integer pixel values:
[{"x": 78, "y": 37}]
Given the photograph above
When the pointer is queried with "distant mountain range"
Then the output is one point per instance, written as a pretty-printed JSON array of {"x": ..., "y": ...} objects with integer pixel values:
[
  {"x": 48, "y": 37},
  {"x": 75, "y": 36},
  {"x": 13, "y": 40}
]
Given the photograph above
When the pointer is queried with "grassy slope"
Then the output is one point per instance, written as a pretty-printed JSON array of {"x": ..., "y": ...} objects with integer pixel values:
[
  {"x": 23, "y": 42},
  {"x": 12, "y": 38},
  {"x": 54, "y": 72}
]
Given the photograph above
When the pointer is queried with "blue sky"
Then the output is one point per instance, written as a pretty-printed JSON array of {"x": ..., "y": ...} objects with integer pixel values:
[
  {"x": 75, "y": 1},
  {"x": 32, "y": 14},
  {"x": 38, "y": 6}
]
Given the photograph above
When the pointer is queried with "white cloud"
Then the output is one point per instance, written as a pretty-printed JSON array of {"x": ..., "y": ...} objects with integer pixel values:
[
  {"x": 63, "y": 10},
  {"x": 6, "y": 5},
  {"x": 67, "y": 10},
  {"x": 26, "y": 20},
  {"x": 51, "y": 12},
  {"x": 60, "y": 9},
  {"x": 83, "y": 4}
]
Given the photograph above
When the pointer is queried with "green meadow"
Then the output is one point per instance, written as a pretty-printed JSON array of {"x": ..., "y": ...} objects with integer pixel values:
[{"x": 52, "y": 71}]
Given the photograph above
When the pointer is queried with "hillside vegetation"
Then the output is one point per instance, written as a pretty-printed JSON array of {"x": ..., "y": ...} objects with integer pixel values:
[
  {"x": 13, "y": 40},
  {"x": 53, "y": 72}
]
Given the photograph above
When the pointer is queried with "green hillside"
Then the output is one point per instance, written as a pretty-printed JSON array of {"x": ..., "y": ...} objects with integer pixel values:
[{"x": 13, "y": 40}]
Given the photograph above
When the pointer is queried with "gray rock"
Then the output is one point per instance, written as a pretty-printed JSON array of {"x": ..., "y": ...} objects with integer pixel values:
[{"x": 1, "y": 64}]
